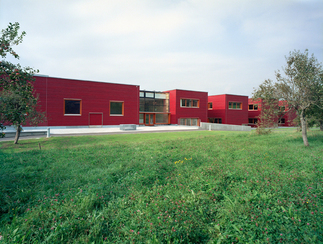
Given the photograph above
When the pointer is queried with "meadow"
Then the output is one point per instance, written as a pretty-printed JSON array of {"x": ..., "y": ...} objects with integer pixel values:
[{"x": 180, "y": 187}]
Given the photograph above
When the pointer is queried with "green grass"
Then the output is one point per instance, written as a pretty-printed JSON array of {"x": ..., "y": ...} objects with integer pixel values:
[{"x": 181, "y": 187}]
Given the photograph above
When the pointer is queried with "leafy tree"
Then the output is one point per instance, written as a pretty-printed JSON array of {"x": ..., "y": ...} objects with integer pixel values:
[
  {"x": 315, "y": 113},
  {"x": 267, "y": 97},
  {"x": 299, "y": 85},
  {"x": 18, "y": 104}
]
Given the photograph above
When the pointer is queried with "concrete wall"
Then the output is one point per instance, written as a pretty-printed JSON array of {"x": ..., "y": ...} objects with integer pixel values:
[{"x": 224, "y": 127}]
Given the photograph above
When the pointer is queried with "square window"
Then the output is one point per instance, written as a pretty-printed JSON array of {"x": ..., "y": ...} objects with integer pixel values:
[
  {"x": 72, "y": 106},
  {"x": 116, "y": 108}
]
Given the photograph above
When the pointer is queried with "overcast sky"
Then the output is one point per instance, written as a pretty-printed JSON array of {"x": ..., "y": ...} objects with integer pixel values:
[{"x": 218, "y": 46}]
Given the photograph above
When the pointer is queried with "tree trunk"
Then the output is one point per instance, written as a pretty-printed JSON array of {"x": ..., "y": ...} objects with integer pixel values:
[
  {"x": 321, "y": 125},
  {"x": 17, "y": 134},
  {"x": 304, "y": 131}
]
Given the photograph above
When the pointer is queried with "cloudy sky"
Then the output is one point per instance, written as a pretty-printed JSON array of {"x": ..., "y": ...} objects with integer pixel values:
[{"x": 218, "y": 46}]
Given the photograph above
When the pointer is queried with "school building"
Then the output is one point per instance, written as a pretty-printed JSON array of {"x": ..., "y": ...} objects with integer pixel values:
[{"x": 70, "y": 102}]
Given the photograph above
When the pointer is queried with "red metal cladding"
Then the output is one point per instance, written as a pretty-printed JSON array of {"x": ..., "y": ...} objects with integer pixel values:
[
  {"x": 232, "y": 109},
  {"x": 95, "y": 118},
  {"x": 94, "y": 97},
  {"x": 190, "y": 110}
]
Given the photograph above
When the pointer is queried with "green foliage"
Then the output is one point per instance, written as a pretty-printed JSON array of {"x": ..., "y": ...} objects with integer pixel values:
[
  {"x": 192, "y": 187},
  {"x": 299, "y": 85},
  {"x": 266, "y": 95},
  {"x": 18, "y": 104},
  {"x": 10, "y": 37}
]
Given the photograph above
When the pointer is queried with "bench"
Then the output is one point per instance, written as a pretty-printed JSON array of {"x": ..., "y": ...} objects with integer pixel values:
[{"x": 128, "y": 127}]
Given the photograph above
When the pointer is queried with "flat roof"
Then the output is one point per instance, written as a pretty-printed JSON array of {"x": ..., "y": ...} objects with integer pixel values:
[{"x": 40, "y": 75}]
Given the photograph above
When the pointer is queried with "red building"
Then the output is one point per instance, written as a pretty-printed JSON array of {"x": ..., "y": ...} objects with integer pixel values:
[
  {"x": 187, "y": 107},
  {"x": 228, "y": 109},
  {"x": 254, "y": 109},
  {"x": 285, "y": 117},
  {"x": 68, "y": 102}
]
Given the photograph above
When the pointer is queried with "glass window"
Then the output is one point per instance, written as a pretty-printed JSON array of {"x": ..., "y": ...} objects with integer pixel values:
[
  {"x": 161, "y": 118},
  {"x": 141, "y": 118},
  {"x": 116, "y": 108},
  {"x": 210, "y": 105},
  {"x": 150, "y": 94},
  {"x": 160, "y": 95},
  {"x": 142, "y": 94},
  {"x": 189, "y": 103},
  {"x": 72, "y": 107},
  {"x": 252, "y": 120},
  {"x": 235, "y": 105},
  {"x": 253, "y": 107},
  {"x": 215, "y": 120},
  {"x": 189, "y": 121}
]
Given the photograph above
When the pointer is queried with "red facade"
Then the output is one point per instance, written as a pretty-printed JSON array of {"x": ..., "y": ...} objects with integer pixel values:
[
  {"x": 228, "y": 109},
  {"x": 254, "y": 112},
  {"x": 69, "y": 102},
  {"x": 94, "y": 101},
  {"x": 187, "y": 106},
  {"x": 286, "y": 116}
]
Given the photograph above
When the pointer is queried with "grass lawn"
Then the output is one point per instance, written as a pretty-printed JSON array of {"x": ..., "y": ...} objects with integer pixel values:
[{"x": 180, "y": 187}]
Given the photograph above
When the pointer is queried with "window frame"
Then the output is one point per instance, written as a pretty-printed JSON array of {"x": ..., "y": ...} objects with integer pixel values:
[
  {"x": 236, "y": 105},
  {"x": 112, "y": 101},
  {"x": 190, "y": 103},
  {"x": 254, "y": 121},
  {"x": 191, "y": 119},
  {"x": 210, "y": 105},
  {"x": 215, "y": 120},
  {"x": 72, "y": 99},
  {"x": 253, "y": 107}
]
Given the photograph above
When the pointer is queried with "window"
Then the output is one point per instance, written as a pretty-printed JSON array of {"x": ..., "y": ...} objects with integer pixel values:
[
  {"x": 235, "y": 105},
  {"x": 150, "y": 94},
  {"x": 72, "y": 107},
  {"x": 162, "y": 118},
  {"x": 215, "y": 120},
  {"x": 189, "y": 121},
  {"x": 117, "y": 108},
  {"x": 252, "y": 121},
  {"x": 253, "y": 107},
  {"x": 209, "y": 105},
  {"x": 190, "y": 103},
  {"x": 281, "y": 121},
  {"x": 141, "y": 118}
]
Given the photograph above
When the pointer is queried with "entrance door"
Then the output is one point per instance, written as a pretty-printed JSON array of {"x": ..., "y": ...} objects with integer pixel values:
[{"x": 149, "y": 119}]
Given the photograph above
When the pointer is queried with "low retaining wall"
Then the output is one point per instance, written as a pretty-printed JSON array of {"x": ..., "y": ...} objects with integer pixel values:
[
  {"x": 224, "y": 127},
  {"x": 10, "y": 134}
]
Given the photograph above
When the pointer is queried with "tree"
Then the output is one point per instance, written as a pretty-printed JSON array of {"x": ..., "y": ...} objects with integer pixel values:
[
  {"x": 299, "y": 85},
  {"x": 266, "y": 95},
  {"x": 18, "y": 103},
  {"x": 315, "y": 113}
]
